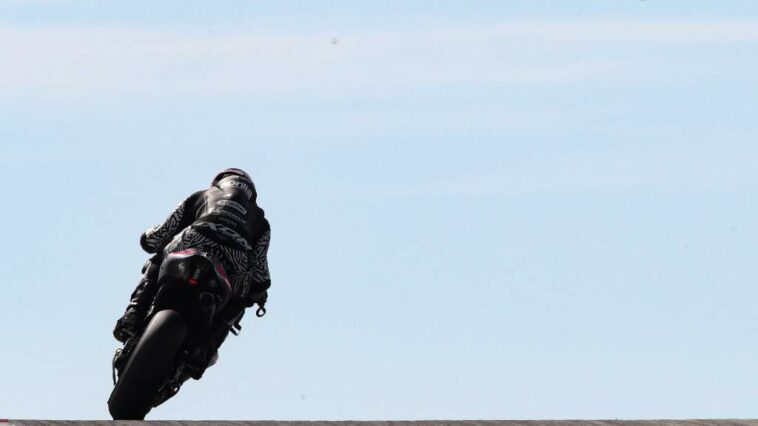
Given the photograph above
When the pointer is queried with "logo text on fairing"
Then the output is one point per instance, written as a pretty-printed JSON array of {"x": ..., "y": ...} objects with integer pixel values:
[
  {"x": 239, "y": 185},
  {"x": 229, "y": 232}
]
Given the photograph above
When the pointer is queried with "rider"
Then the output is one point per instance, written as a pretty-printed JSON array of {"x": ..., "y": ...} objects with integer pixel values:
[{"x": 225, "y": 222}]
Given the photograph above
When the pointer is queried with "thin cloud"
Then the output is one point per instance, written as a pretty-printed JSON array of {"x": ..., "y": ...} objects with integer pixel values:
[
  {"x": 637, "y": 31},
  {"x": 102, "y": 61},
  {"x": 669, "y": 167}
]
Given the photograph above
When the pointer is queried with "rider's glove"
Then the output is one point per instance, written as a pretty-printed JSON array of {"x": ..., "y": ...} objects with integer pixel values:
[{"x": 143, "y": 243}]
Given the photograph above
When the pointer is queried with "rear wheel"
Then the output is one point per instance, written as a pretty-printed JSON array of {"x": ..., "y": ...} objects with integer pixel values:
[{"x": 148, "y": 366}]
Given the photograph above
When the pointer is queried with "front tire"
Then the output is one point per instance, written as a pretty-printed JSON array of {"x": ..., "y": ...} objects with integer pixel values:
[{"x": 148, "y": 366}]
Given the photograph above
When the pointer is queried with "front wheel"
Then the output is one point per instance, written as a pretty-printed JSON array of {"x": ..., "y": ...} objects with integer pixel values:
[{"x": 148, "y": 366}]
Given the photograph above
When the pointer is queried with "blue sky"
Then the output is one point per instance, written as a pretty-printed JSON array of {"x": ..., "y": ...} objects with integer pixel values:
[{"x": 493, "y": 211}]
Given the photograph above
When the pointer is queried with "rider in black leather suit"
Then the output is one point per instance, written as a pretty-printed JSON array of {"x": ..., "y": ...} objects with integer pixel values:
[{"x": 225, "y": 222}]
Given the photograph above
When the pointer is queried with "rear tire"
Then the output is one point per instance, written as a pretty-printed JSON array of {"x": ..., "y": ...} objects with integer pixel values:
[{"x": 148, "y": 366}]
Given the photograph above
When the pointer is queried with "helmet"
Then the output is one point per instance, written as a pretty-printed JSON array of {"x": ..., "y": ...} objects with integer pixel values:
[{"x": 232, "y": 171}]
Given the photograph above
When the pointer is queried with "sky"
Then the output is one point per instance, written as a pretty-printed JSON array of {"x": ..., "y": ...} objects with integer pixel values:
[{"x": 479, "y": 210}]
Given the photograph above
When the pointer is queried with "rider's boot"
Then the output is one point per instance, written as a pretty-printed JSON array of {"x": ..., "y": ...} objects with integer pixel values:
[{"x": 142, "y": 297}]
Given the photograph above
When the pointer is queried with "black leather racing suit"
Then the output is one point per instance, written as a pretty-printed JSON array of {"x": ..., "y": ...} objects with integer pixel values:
[{"x": 225, "y": 222}]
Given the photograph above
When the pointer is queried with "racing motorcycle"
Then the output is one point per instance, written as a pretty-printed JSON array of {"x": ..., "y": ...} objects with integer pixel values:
[{"x": 155, "y": 362}]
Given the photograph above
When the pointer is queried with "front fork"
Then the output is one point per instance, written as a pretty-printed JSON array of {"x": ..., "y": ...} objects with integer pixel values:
[{"x": 120, "y": 357}]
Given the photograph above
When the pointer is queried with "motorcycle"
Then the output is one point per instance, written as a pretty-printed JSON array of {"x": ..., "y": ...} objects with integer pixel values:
[{"x": 154, "y": 363}]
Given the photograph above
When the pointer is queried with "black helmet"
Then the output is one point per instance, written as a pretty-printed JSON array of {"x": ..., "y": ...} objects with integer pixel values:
[{"x": 232, "y": 171}]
